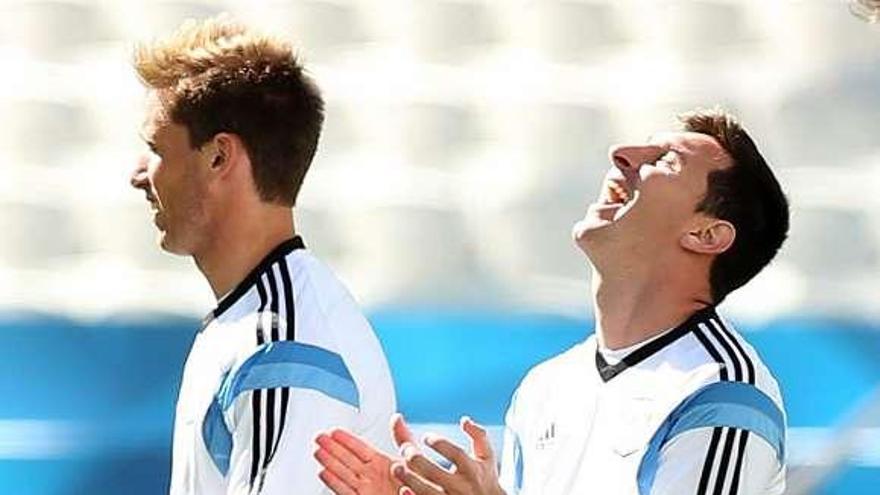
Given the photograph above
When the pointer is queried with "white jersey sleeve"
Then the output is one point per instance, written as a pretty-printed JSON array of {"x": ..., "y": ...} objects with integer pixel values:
[
  {"x": 266, "y": 460},
  {"x": 511, "y": 453},
  {"x": 718, "y": 460},
  {"x": 295, "y": 391},
  {"x": 285, "y": 355}
]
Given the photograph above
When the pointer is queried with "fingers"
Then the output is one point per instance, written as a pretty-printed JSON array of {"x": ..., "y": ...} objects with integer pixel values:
[
  {"x": 340, "y": 452},
  {"x": 480, "y": 443},
  {"x": 424, "y": 467},
  {"x": 414, "y": 484},
  {"x": 400, "y": 430},
  {"x": 364, "y": 451},
  {"x": 335, "y": 483},
  {"x": 455, "y": 454},
  {"x": 336, "y": 471}
]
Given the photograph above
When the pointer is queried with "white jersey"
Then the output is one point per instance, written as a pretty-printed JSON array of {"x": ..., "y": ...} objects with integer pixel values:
[
  {"x": 691, "y": 411},
  {"x": 285, "y": 355}
]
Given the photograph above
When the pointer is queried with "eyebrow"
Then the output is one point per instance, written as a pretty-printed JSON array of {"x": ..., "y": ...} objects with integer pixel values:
[
  {"x": 680, "y": 152},
  {"x": 149, "y": 141}
]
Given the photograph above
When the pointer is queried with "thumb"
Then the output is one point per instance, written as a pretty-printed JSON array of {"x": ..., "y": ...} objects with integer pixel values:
[
  {"x": 480, "y": 443},
  {"x": 400, "y": 430}
]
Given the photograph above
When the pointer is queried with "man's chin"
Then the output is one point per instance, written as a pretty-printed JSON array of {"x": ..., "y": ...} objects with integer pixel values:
[
  {"x": 166, "y": 242},
  {"x": 587, "y": 228}
]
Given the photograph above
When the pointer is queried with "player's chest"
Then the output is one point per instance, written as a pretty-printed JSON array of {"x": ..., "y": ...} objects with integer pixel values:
[
  {"x": 206, "y": 365},
  {"x": 599, "y": 434}
]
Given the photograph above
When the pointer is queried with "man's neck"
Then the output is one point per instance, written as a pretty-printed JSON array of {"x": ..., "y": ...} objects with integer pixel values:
[
  {"x": 234, "y": 251},
  {"x": 631, "y": 309}
]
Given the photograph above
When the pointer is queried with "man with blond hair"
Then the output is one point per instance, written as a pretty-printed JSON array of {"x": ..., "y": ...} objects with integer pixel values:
[{"x": 232, "y": 125}]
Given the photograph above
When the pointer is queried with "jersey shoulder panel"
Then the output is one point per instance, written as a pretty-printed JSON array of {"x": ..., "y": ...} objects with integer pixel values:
[
  {"x": 317, "y": 280},
  {"x": 765, "y": 380},
  {"x": 329, "y": 317}
]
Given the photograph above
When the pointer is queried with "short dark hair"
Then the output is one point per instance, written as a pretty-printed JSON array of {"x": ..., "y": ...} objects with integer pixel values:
[
  {"x": 218, "y": 76},
  {"x": 746, "y": 194}
]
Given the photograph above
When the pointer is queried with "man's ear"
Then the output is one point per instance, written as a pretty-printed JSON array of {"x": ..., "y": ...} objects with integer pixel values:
[
  {"x": 713, "y": 236},
  {"x": 222, "y": 151}
]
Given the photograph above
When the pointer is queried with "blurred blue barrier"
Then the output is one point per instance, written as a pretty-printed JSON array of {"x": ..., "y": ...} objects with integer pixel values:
[{"x": 88, "y": 408}]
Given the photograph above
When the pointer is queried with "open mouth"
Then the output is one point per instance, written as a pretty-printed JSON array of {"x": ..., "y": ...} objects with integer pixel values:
[
  {"x": 617, "y": 196},
  {"x": 617, "y": 191},
  {"x": 152, "y": 200}
]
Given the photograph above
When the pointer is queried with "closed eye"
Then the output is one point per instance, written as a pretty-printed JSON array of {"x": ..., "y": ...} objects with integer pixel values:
[
  {"x": 671, "y": 159},
  {"x": 153, "y": 147},
  {"x": 150, "y": 144}
]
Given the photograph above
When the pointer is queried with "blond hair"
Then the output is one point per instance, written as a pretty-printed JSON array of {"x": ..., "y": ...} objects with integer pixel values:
[
  {"x": 218, "y": 75},
  {"x": 200, "y": 46}
]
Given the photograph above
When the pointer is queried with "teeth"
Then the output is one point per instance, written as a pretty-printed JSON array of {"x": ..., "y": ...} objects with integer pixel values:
[{"x": 620, "y": 192}]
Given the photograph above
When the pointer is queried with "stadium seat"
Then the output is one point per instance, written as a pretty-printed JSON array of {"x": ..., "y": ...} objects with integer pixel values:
[
  {"x": 574, "y": 31},
  {"x": 452, "y": 31},
  {"x": 38, "y": 236},
  {"x": 44, "y": 132},
  {"x": 44, "y": 27}
]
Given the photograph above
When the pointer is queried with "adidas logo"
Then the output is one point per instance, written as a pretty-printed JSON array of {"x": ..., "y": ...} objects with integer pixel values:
[{"x": 547, "y": 437}]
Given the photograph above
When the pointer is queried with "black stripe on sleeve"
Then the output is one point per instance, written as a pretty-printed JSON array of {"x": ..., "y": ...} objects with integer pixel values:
[
  {"x": 244, "y": 286},
  {"x": 725, "y": 345},
  {"x": 750, "y": 367},
  {"x": 273, "y": 302},
  {"x": 729, "y": 440},
  {"x": 728, "y": 350},
  {"x": 290, "y": 333},
  {"x": 261, "y": 335},
  {"x": 710, "y": 459},
  {"x": 741, "y": 453},
  {"x": 255, "y": 437},
  {"x": 289, "y": 308},
  {"x": 256, "y": 395},
  {"x": 265, "y": 414},
  {"x": 707, "y": 345},
  {"x": 270, "y": 394},
  {"x": 712, "y": 451}
]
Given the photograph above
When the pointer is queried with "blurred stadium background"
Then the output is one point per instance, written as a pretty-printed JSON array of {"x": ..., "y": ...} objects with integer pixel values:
[{"x": 463, "y": 138}]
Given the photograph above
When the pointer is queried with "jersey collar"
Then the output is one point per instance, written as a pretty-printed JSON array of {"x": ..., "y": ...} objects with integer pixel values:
[
  {"x": 608, "y": 371},
  {"x": 241, "y": 289}
]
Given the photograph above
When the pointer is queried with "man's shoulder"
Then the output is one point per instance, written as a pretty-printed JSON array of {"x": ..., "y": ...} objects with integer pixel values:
[
  {"x": 308, "y": 285},
  {"x": 734, "y": 358},
  {"x": 317, "y": 284},
  {"x": 754, "y": 364}
]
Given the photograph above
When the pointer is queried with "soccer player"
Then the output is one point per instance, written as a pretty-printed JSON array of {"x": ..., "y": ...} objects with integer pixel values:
[
  {"x": 665, "y": 397},
  {"x": 232, "y": 124}
]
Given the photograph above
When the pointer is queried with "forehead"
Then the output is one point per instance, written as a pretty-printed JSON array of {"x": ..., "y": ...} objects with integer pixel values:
[
  {"x": 694, "y": 147},
  {"x": 155, "y": 115}
]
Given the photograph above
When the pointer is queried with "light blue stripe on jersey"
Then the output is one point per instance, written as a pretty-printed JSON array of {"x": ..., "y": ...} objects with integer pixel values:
[
  {"x": 518, "y": 464},
  {"x": 292, "y": 364},
  {"x": 720, "y": 404},
  {"x": 218, "y": 439},
  {"x": 280, "y": 364}
]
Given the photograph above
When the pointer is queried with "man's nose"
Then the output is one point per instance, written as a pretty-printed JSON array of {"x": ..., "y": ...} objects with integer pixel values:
[
  {"x": 629, "y": 158},
  {"x": 138, "y": 178}
]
